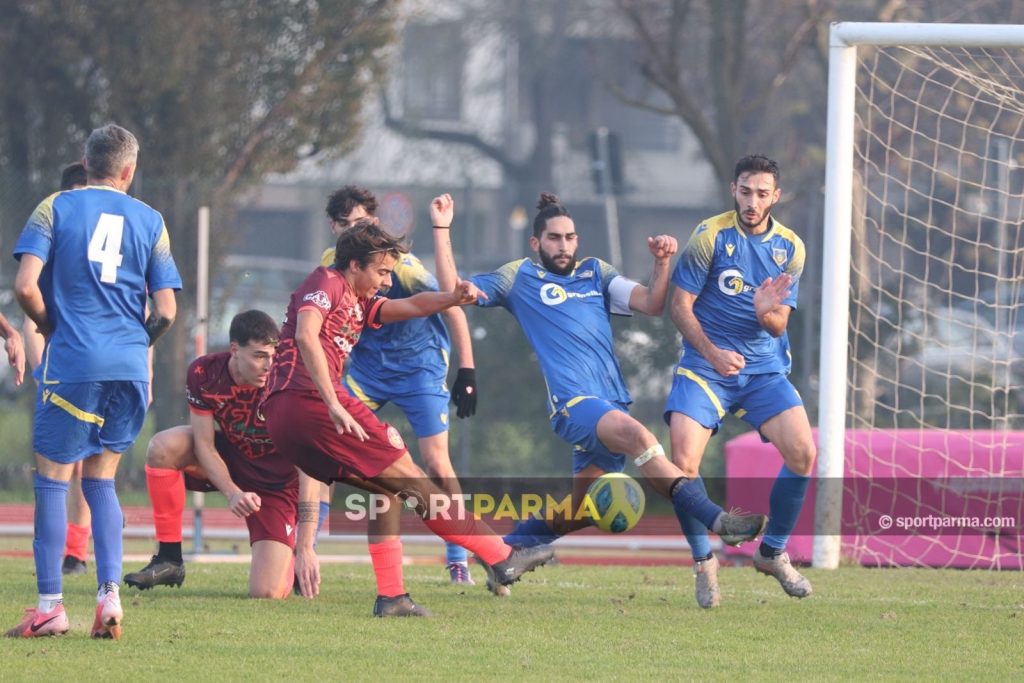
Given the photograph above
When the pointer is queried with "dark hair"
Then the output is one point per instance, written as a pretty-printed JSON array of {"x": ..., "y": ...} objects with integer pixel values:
[
  {"x": 254, "y": 326},
  {"x": 341, "y": 202},
  {"x": 364, "y": 239},
  {"x": 547, "y": 207},
  {"x": 756, "y": 163},
  {"x": 73, "y": 176},
  {"x": 109, "y": 149}
]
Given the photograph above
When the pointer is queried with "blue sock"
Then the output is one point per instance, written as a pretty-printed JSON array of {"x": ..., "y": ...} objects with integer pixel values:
[
  {"x": 325, "y": 511},
  {"x": 531, "y": 532},
  {"x": 456, "y": 553},
  {"x": 696, "y": 533},
  {"x": 691, "y": 496},
  {"x": 107, "y": 528},
  {"x": 784, "y": 505},
  {"x": 51, "y": 526}
]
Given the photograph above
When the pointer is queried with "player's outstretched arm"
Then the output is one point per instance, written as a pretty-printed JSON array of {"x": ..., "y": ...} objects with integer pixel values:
[
  {"x": 442, "y": 211},
  {"x": 725, "y": 361},
  {"x": 772, "y": 314},
  {"x": 307, "y": 564},
  {"x": 651, "y": 299},
  {"x": 15, "y": 349},
  {"x": 160, "y": 319},
  {"x": 428, "y": 303},
  {"x": 242, "y": 503}
]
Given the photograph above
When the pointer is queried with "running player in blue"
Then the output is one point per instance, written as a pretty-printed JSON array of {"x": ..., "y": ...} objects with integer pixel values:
[
  {"x": 106, "y": 250},
  {"x": 564, "y": 305},
  {"x": 736, "y": 284},
  {"x": 406, "y": 364}
]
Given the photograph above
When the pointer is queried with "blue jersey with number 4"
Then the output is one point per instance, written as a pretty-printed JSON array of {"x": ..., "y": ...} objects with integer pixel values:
[{"x": 104, "y": 251}]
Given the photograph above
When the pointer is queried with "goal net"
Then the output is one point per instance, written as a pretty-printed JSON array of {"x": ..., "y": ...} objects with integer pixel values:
[{"x": 922, "y": 412}]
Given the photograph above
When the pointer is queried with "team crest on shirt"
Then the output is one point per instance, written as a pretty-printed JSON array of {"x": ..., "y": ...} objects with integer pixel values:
[
  {"x": 779, "y": 255},
  {"x": 394, "y": 438},
  {"x": 319, "y": 299},
  {"x": 729, "y": 248}
]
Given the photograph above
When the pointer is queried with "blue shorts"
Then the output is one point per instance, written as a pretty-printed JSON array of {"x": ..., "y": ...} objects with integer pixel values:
[
  {"x": 753, "y": 398},
  {"x": 426, "y": 410},
  {"x": 576, "y": 423},
  {"x": 77, "y": 420}
]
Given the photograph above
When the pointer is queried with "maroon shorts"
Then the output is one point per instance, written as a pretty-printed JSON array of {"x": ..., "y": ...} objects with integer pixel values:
[
  {"x": 303, "y": 433},
  {"x": 275, "y": 520}
]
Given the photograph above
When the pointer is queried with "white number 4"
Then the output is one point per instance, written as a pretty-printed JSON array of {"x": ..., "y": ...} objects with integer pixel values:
[{"x": 105, "y": 246}]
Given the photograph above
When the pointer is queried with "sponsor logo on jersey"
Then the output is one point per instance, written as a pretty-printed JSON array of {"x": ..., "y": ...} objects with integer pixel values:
[
  {"x": 552, "y": 294},
  {"x": 344, "y": 344},
  {"x": 779, "y": 255},
  {"x": 287, "y": 529},
  {"x": 731, "y": 282},
  {"x": 319, "y": 299},
  {"x": 729, "y": 248},
  {"x": 585, "y": 274}
]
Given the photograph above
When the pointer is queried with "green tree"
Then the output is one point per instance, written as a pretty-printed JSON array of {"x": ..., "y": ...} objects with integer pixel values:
[{"x": 219, "y": 93}]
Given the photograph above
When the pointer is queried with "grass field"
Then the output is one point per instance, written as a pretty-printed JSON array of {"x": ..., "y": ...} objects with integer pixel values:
[{"x": 566, "y": 622}]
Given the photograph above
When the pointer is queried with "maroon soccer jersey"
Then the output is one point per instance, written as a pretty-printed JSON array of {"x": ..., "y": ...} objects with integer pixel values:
[
  {"x": 327, "y": 292},
  {"x": 250, "y": 455}
]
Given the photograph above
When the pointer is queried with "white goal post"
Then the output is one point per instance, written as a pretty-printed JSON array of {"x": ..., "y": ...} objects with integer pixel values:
[{"x": 841, "y": 184}]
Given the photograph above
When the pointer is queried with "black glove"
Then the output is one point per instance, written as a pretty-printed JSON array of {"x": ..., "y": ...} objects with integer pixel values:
[{"x": 464, "y": 392}]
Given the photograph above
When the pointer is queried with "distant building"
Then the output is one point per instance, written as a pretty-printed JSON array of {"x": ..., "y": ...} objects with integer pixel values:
[{"x": 472, "y": 76}]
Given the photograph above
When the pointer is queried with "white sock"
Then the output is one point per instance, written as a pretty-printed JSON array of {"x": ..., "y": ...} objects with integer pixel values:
[{"x": 49, "y": 601}]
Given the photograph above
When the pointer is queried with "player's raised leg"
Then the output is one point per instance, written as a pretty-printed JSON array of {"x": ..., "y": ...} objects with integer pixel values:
[{"x": 506, "y": 563}]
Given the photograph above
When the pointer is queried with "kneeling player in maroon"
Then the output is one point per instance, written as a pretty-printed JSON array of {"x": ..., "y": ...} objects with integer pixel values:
[
  {"x": 330, "y": 435},
  {"x": 239, "y": 460}
]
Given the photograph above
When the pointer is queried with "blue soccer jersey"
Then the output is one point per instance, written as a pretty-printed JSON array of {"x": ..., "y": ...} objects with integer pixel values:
[
  {"x": 723, "y": 266},
  {"x": 407, "y": 357},
  {"x": 104, "y": 251},
  {"x": 566, "y": 318}
]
